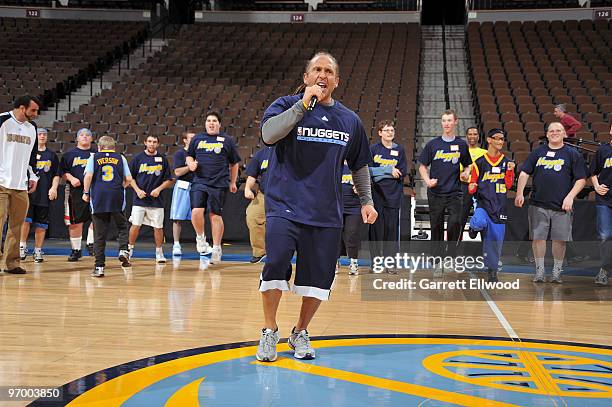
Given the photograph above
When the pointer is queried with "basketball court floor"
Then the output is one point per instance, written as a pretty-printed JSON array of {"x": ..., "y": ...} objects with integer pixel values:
[{"x": 185, "y": 334}]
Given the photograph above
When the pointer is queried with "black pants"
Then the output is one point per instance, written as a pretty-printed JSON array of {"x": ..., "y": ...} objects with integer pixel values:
[
  {"x": 438, "y": 206},
  {"x": 384, "y": 233},
  {"x": 101, "y": 222},
  {"x": 466, "y": 207},
  {"x": 351, "y": 235}
]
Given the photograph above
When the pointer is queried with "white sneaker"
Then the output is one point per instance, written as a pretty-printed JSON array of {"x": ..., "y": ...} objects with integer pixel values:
[
  {"x": 216, "y": 255},
  {"x": 202, "y": 246},
  {"x": 98, "y": 272},
  {"x": 354, "y": 268},
  {"x": 539, "y": 276},
  {"x": 300, "y": 343},
  {"x": 124, "y": 258},
  {"x": 159, "y": 258},
  {"x": 176, "y": 250},
  {"x": 266, "y": 351},
  {"x": 556, "y": 276},
  {"x": 23, "y": 252}
]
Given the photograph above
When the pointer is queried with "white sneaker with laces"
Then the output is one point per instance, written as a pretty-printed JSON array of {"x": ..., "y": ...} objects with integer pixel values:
[
  {"x": 300, "y": 343},
  {"x": 159, "y": 257},
  {"x": 176, "y": 250},
  {"x": 38, "y": 257},
  {"x": 23, "y": 252},
  {"x": 539, "y": 276},
  {"x": 266, "y": 351},
  {"x": 354, "y": 268},
  {"x": 216, "y": 255},
  {"x": 98, "y": 272},
  {"x": 556, "y": 276}
]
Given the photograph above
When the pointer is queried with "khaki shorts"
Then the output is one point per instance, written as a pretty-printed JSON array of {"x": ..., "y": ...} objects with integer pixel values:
[
  {"x": 142, "y": 215},
  {"x": 542, "y": 220}
]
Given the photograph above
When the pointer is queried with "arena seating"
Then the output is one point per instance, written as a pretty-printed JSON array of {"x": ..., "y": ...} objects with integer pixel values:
[
  {"x": 46, "y": 58},
  {"x": 239, "y": 69},
  {"x": 115, "y": 4},
  {"x": 521, "y": 70}
]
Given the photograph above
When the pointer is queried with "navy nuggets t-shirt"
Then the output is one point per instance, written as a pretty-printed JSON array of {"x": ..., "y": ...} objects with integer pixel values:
[
  {"x": 180, "y": 158},
  {"x": 149, "y": 172},
  {"x": 305, "y": 170},
  {"x": 602, "y": 167},
  {"x": 213, "y": 154},
  {"x": 258, "y": 167},
  {"x": 74, "y": 161},
  {"x": 391, "y": 189},
  {"x": 491, "y": 192},
  {"x": 107, "y": 192},
  {"x": 351, "y": 203},
  {"x": 554, "y": 171},
  {"x": 47, "y": 167},
  {"x": 444, "y": 158}
]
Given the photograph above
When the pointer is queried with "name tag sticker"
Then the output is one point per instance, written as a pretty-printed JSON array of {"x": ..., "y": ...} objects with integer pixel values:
[
  {"x": 495, "y": 170},
  {"x": 182, "y": 184},
  {"x": 38, "y": 156},
  {"x": 394, "y": 153},
  {"x": 454, "y": 147},
  {"x": 550, "y": 154},
  {"x": 220, "y": 138},
  {"x": 158, "y": 159}
]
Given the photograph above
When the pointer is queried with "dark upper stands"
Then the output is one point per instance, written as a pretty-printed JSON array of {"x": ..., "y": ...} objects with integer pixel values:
[
  {"x": 239, "y": 69},
  {"x": 263, "y": 5},
  {"x": 119, "y": 4},
  {"x": 528, "y": 4},
  {"x": 521, "y": 70},
  {"x": 46, "y": 58}
]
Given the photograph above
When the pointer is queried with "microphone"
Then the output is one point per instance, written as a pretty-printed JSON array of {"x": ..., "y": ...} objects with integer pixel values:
[{"x": 312, "y": 103}]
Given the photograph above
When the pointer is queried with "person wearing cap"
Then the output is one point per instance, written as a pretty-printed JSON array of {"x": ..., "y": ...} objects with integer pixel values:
[
  {"x": 47, "y": 171},
  {"x": 17, "y": 158},
  {"x": 76, "y": 211},
  {"x": 559, "y": 174},
  {"x": 491, "y": 176},
  {"x": 569, "y": 123}
]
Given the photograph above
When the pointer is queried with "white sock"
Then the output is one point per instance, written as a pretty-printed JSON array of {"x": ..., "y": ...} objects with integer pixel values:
[
  {"x": 75, "y": 243},
  {"x": 557, "y": 264},
  {"x": 130, "y": 247},
  {"x": 90, "y": 236},
  {"x": 37, "y": 249},
  {"x": 216, "y": 247},
  {"x": 177, "y": 243},
  {"x": 159, "y": 250},
  {"x": 23, "y": 245}
]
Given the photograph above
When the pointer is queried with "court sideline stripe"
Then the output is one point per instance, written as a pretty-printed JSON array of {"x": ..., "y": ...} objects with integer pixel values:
[{"x": 500, "y": 316}]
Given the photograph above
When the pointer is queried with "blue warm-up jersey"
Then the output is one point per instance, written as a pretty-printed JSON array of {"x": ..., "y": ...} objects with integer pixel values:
[{"x": 305, "y": 170}]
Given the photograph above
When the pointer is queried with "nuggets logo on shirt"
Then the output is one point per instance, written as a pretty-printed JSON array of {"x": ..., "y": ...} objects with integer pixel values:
[
  {"x": 17, "y": 138},
  {"x": 550, "y": 164},
  {"x": 347, "y": 179},
  {"x": 208, "y": 147},
  {"x": 150, "y": 169},
  {"x": 43, "y": 165},
  {"x": 322, "y": 135},
  {"x": 79, "y": 162},
  {"x": 447, "y": 157},
  {"x": 493, "y": 178},
  {"x": 264, "y": 165},
  {"x": 385, "y": 162},
  {"x": 608, "y": 163}
]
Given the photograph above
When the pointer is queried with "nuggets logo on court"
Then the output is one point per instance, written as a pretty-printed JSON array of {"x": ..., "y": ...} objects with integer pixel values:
[
  {"x": 150, "y": 169},
  {"x": 384, "y": 162},
  {"x": 550, "y": 164},
  {"x": 408, "y": 371},
  {"x": 208, "y": 147},
  {"x": 447, "y": 157},
  {"x": 43, "y": 165},
  {"x": 322, "y": 135},
  {"x": 79, "y": 162}
]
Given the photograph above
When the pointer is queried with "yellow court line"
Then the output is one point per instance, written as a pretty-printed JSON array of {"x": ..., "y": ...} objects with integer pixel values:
[
  {"x": 469, "y": 365},
  {"x": 543, "y": 380},
  {"x": 119, "y": 389},
  {"x": 386, "y": 384},
  {"x": 186, "y": 396}
]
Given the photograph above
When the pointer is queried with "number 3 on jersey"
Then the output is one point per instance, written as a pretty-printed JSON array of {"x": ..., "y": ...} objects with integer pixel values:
[{"x": 107, "y": 173}]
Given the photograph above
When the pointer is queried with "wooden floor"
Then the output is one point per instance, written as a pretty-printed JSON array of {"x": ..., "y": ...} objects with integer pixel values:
[{"x": 58, "y": 324}]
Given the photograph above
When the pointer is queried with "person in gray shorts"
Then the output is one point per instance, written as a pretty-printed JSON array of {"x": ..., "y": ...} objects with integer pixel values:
[{"x": 559, "y": 174}]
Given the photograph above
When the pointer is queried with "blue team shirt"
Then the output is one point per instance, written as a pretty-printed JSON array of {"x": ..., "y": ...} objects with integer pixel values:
[
  {"x": 258, "y": 167},
  {"x": 554, "y": 171},
  {"x": 149, "y": 172},
  {"x": 444, "y": 159},
  {"x": 106, "y": 192},
  {"x": 491, "y": 192},
  {"x": 305, "y": 169},
  {"x": 73, "y": 162},
  {"x": 47, "y": 167},
  {"x": 390, "y": 189},
  {"x": 180, "y": 160},
  {"x": 602, "y": 167},
  {"x": 350, "y": 200},
  {"x": 213, "y": 154}
]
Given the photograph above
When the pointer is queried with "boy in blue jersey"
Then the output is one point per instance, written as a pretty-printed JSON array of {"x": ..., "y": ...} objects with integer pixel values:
[
  {"x": 181, "y": 204},
  {"x": 601, "y": 170},
  {"x": 352, "y": 222},
  {"x": 150, "y": 176},
  {"x": 444, "y": 155},
  {"x": 214, "y": 158},
  {"x": 558, "y": 176},
  {"x": 76, "y": 212},
  {"x": 388, "y": 168},
  {"x": 492, "y": 175},
  {"x": 256, "y": 211},
  {"x": 47, "y": 170},
  {"x": 304, "y": 197},
  {"x": 106, "y": 175}
]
